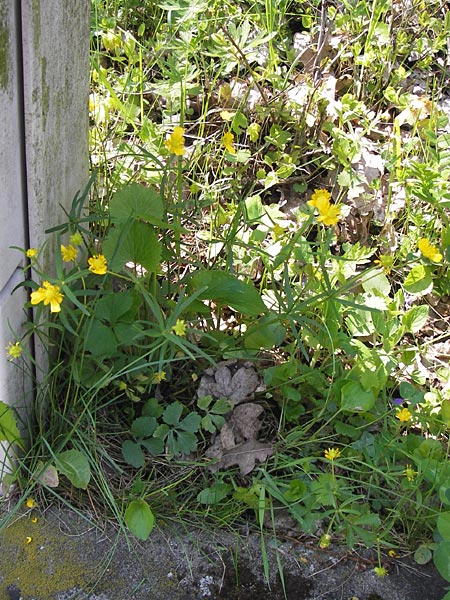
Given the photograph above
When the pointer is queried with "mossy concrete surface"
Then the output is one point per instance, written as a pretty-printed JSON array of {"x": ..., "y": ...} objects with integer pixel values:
[{"x": 59, "y": 556}]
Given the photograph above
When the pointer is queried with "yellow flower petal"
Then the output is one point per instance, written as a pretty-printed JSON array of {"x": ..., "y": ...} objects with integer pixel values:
[
  {"x": 227, "y": 141},
  {"x": 175, "y": 142},
  {"x": 97, "y": 264}
]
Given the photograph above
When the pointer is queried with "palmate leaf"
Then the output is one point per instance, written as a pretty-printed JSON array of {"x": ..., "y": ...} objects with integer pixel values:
[
  {"x": 138, "y": 202},
  {"x": 137, "y": 243}
]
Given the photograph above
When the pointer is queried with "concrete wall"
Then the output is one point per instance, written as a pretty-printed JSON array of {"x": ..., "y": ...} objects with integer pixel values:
[{"x": 44, "y": 79}]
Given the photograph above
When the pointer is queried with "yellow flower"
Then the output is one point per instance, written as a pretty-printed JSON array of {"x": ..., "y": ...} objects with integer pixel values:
[
  {"x": 31, "y": 252},
  {"x": 429, "y": 251},
  {"x": 69, "y": 252},
  {"x": 404, "y": 415},
  {"x": 393, "y": 554},
  {"x": 175, "y": 142},
  {"x": 227, "y": 141},
  {"x": 28, "y": 539},
  {"x": 330, "y": 215},
  {"x": 320, "y": 200},
  {"x": 179, "y": 328},
  {"x": 34, "y": 520},
  {"x": 409, "y": 473},
  {"x": 158, "y": 377},
  {"x": 98, "y": 264},
  {"x": 380, "y": 571},
  {"x": 14, "y": 350},
  {"x": 48, "y": 294},
  {"x": 76, "y": 238},
  {"x": 332, "y": 453},
  {"x": 31, "y": 503}
]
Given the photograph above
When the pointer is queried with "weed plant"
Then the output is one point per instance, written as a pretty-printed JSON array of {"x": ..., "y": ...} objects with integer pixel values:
[{"x": 270, "y": 185}]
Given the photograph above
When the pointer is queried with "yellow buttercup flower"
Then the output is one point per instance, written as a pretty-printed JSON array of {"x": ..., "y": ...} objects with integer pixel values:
[
  {"x": 158, "y": 377},
  {"x": 69, "y": 252},
  {"x": 98, "y": 264},
  {"x": 31, "y": 503},
  {"x": 179, "y": 328},
  {"x": 330, "y": 215},
  {"x": 31, "y": 252},
  {"x": 404, "y": 415},
  {"x": 48, "y": 294},
  {"x": 175, "y": 142},
  {"x": 227, "y": 141},
  {"x": 429, "y": 251},
  {"x": 14, "y": 350},
  {"x": 320, "y": 200},
  {"x": 332, "y": 453}
]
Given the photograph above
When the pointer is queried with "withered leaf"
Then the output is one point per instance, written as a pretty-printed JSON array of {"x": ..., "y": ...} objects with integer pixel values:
[{"x": 244, "y": 456}]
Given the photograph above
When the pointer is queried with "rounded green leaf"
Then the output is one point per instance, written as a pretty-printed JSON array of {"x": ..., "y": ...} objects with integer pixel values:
[
  {"x": 355, "y": 398},
  {"x": 139, "y": 519},
  {"x": 75, "y": 466},
  {"x": 442, "y": 559}
]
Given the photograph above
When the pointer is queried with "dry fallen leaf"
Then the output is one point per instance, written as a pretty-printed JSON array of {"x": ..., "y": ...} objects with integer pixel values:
[
  {"x": 244, "y": 456},
  {"x": 234, "y": 380}
]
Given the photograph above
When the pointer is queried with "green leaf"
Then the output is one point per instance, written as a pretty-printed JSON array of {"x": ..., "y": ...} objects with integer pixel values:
[
  {"x": 415, "y": 318},
  {"x": 8, "y": 425},
  {"x": 172, "y": 413},
  {"x": 191, "y": 422},
  {"x": 75, "y": 466},
  {"x": 355, "y": 398},
  {"x": 143, "y": 427},
  {"x": 114, "y": 307},
  {"x": 152, "y": 408},
  {"x": 214, "y": 494},
  {"x": 139, "y": 519},
  {"x": 422, "y": 555},
  {"x": 184, "y": 443},
  {"x": 376, "y": 281},
  {"x": 296, "y": 490},
  {"x": 153, "y": 445},
  {"x": 225, "y": 289},
  {"x": 204, "y": 402},
  {"x": 419, "y": 281},
  {"x": 265, "y": 333},
  {"x": 443, "y": 525},
  {"x": 442, "y": 559},
  {"x": 221, "y": 407},
  {"x": 254, "y": 208},
  {"x": 138, "y": 202},
  {"x": 100, "y": 339},
  {"x": 132, "y": 454},
  {"x": 137, "y": 243}
]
